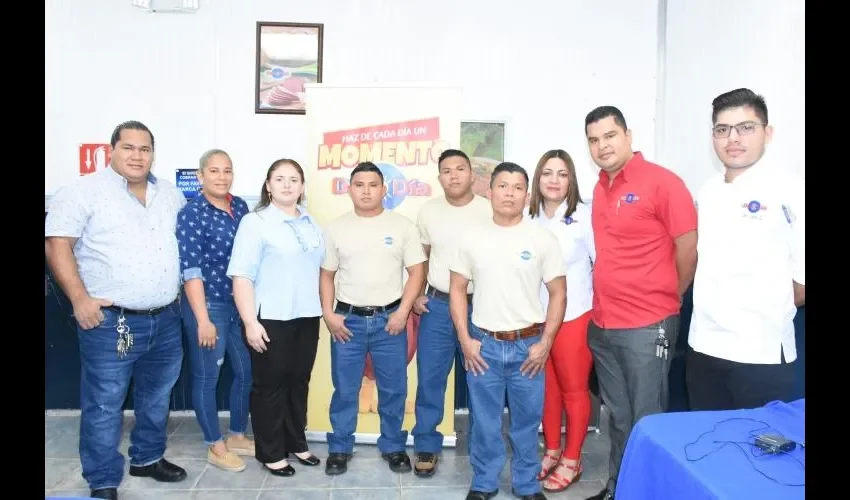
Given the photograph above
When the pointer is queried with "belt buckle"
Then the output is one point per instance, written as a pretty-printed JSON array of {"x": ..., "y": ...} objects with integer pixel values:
[
  {"x": 368, "y": 311},
  {"x": 498, "y": 336}
]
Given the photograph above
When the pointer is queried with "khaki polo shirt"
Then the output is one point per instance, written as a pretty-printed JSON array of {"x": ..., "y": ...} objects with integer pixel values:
[
  {"x": 369, "y": 255},
  {"x": 440, "y": 226},
  {"x": 508, "y": 265}
]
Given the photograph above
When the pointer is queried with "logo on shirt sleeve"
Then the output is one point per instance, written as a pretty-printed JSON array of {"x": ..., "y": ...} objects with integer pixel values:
[
  {"x": 525, "y": 255},
  {"x": 388, "y": 241}
]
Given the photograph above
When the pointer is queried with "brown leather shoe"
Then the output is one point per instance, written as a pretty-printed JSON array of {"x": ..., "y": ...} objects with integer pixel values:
[{"x": 426, "y": 464}]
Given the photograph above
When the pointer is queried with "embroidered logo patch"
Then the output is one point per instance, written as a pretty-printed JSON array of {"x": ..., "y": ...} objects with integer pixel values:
[
  {"x": 630, "y": 198},
  {"x": 754, "y": 206}
]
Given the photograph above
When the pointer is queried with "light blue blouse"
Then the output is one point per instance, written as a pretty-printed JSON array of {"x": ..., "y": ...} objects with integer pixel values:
[{"x": 281, "y": 255}]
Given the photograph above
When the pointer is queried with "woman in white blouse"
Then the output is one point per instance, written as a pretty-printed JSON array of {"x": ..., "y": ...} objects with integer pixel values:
[{"x": 557, "y": 205}]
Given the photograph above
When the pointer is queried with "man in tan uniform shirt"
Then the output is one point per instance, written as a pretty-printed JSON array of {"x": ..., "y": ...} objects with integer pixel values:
[
  {"x": 441, "y": 222},
  {"x": 506, "y": 344},
  {"x": 367, "y": 251}
]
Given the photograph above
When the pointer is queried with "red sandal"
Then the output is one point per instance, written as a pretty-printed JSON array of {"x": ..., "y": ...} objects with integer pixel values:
[
  {"x": 544, "y": 471},
  {"x": 562, "y": 483}
]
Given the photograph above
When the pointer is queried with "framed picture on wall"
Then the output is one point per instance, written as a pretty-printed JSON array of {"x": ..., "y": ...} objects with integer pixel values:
[
  {"x": 484, "y": 142},
  {"x": 289, "y": 55}
]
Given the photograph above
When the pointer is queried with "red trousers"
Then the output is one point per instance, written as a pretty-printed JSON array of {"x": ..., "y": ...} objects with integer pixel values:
[{"x": 567, "y": 377}]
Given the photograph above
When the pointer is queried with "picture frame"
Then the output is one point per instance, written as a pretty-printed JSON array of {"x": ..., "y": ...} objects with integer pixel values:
[
  {"x": 484, "y": 142},
  {"x": 289, "y": 55}
]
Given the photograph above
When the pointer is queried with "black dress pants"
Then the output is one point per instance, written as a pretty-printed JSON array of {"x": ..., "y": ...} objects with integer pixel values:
[
  {"x": 279, "y": 392},
  {"x": 716, "y": 384}
]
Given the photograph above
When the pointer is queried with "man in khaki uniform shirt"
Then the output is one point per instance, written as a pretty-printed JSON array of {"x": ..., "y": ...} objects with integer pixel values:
[
  {"x": 366, "y": 251},
  {"x": 506, "y": 344},
  {"x": 441, "y": 222}
]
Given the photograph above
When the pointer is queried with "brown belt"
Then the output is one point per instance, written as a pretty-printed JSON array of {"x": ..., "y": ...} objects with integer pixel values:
[{"x": 529, "y": 331}]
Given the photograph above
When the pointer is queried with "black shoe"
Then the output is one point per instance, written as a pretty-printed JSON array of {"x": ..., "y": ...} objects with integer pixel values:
[
  {"x": 311, "y": 461},
  {"x": 534, "y": 496},
  {"x": 399, "y": 461},
  {"x": 107, "y": 493},
  {"x": 602, "y": 495},
  {"x": 163, "y": 471},
  {"x": 337, "y": 463},
  {"x": 282, "y": 472},
  {"x": 481, "y": 495},
  {"x": 426, "y": 464}
]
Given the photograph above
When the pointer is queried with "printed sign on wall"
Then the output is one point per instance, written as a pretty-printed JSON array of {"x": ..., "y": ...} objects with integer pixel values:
[
  {"x": 94, "y": 157},
  {"x": 187, "y": 181}
]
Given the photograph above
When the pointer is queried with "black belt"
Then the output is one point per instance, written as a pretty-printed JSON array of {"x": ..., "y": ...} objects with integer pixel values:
[
  {"x": 367, "y": 311},
  {"x": 430, "y": 291},
  {"x": 140, "y": 312}
]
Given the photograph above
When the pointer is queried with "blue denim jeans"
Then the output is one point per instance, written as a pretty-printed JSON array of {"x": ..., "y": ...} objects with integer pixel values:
[
  {"x": 348, "y": 360},
  {"x": 154, "y": 364},
  {"x": 437, "y": 347},
  {"x": 206, "y": 364},
  {"x": 487, "y": 397}
]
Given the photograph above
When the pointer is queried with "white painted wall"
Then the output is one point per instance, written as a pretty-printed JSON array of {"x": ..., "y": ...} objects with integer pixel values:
[
  {"x": 539, "y": 64},
  {"x": 719, "y": 45}
]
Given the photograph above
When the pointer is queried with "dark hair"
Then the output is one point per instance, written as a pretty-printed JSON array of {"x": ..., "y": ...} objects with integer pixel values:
[
  {"x": 366, "y": 166},
  {"x": 450, "y": 153},
  {"x": 573, "y": 195},
  {"x": 265, "y": 195},
  {"x": 736, "y": 99},
  {"x": 129, "y": 125},
  {"x": 511, "y": 168},
  {"x": 603, "y": 112}
]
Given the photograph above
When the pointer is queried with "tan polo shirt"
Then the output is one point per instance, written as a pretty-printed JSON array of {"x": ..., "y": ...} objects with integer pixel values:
[
  {"x": 369, "y": 255},
  {"x": 508, "y": 265},
  {"x": 440, "y": 225}
]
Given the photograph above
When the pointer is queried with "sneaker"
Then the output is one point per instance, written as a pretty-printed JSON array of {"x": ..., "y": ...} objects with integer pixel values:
[
  {"x": 229, "y": 461},
  {"x": 240, "y": 445}
]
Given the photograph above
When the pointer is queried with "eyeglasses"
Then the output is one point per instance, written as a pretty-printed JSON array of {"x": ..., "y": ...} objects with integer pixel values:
[
  {"x": 298, "y": 237},
  {"x": 722, "y": 131}
]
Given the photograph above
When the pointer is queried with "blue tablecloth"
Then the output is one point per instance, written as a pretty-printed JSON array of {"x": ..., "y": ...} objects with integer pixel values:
[{"x": 663, "y": 455}]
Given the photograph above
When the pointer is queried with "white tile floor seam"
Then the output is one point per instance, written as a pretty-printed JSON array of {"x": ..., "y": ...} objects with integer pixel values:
[{"x": 368, "y": 476}]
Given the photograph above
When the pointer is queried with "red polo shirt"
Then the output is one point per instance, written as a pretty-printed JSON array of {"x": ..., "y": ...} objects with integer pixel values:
[{"x": 635, "y": 222}]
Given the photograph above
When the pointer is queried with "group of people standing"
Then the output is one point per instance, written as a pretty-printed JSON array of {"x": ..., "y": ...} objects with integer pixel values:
[{"x": 533, "y": 288}]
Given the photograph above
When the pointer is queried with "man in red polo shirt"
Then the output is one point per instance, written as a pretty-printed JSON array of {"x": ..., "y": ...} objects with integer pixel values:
[{"x": 644, "y": 223}]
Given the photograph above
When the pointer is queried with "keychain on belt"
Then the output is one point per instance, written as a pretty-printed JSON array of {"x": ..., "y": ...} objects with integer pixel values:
[
  {"x": 125, "y": 338},
  {"x": 662, "y": 344}
]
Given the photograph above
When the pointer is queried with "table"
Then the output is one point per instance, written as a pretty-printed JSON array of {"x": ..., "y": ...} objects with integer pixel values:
[{"x": 706, "y": 455}]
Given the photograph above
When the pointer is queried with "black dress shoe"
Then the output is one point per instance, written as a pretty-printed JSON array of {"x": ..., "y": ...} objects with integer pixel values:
[
  {"x": 602, "y": 495},
  {"x": 337, "y": 463},
  {"x": 399, "y": 461},
  {"x": 163, "y": 471},
  {"x": 534, "y": 496},
  {"x": 481, "y": 495},
  {"x": 282, "y": 472},
  {"x": 311, "y": 461},
  {"x": 107, "y": 493}
]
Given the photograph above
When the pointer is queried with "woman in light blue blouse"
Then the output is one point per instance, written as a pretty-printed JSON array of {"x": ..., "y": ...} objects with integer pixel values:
[
  {"x": 206, "y": 227},
  {"x": 275, "y": 271}
]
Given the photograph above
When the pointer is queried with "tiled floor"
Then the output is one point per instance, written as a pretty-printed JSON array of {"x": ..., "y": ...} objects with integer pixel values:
[{"x": 368, "y": 476}]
